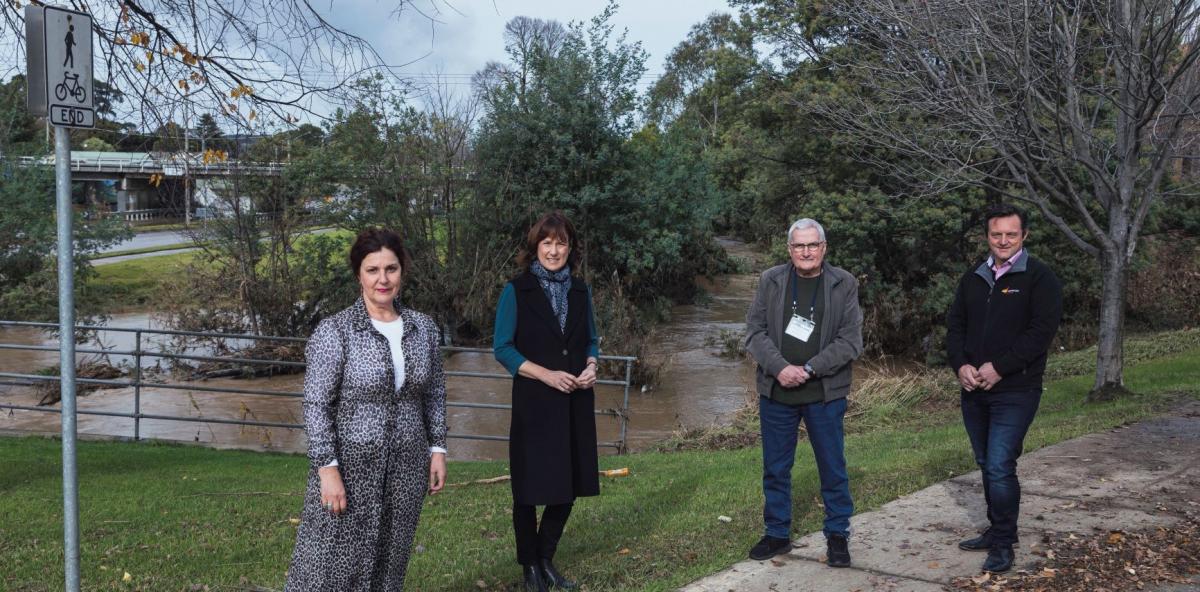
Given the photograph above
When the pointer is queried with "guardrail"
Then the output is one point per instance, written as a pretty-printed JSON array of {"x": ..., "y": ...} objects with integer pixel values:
[{"x": 137, "y": 382}]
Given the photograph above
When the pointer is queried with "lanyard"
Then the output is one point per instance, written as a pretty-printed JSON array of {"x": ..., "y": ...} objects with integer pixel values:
[{"x": 812, "y": 305}]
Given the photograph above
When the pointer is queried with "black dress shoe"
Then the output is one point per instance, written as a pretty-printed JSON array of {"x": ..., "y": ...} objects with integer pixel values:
[
  {"x": 554, "y": 579},
  {"x": 982, "y": 542},
  {"x": 770, "y": 546},
  {"x": 999, "y": 559},
  {"x": 533, "y": 579},
  {"x": 837, "y": 551}
]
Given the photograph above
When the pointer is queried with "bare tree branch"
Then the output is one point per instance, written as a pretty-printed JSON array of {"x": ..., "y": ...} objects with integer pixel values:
[{"x": 245, "y": 59}]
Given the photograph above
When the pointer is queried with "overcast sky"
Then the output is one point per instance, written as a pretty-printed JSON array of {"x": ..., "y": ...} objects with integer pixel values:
[
  {"x": 456, "y": 38},
  {"x": 464, "y": 35}
]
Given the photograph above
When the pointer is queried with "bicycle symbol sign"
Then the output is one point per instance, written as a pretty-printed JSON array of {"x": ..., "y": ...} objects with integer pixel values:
[{"x": 70, "y": 87}]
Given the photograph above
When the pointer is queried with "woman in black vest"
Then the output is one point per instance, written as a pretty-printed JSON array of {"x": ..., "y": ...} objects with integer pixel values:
[{"x": 546, "y": 338}]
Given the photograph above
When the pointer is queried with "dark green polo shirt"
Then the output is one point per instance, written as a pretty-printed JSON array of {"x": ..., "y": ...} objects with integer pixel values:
[{"x": 804, "y": 298}]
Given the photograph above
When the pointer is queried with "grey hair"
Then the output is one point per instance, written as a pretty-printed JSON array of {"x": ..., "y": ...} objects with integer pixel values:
[{"x": 803, "y": 223}]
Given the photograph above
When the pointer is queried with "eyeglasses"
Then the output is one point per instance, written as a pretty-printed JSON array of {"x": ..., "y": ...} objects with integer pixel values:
[{"x": 803, "y": 247}]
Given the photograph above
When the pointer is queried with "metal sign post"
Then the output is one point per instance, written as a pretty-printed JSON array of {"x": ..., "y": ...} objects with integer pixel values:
[{"x": 59, "y": 50}]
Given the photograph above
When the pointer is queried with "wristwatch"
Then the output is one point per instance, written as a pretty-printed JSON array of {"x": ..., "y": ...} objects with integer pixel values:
[{"x": 808, "y": 368}]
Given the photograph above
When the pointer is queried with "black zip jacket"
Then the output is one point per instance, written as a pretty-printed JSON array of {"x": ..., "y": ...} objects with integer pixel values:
[{"x": 1009, "y": 322}]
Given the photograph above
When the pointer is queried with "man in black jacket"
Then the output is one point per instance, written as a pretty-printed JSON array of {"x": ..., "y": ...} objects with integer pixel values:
[{"x": 1005, "y": 314}]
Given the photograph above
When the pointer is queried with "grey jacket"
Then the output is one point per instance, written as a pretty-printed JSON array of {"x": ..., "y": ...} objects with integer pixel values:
[{"x": 841, "y": 329}]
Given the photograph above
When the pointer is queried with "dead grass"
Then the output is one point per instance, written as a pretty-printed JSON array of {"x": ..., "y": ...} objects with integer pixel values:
[{"x": 877, "y": 401}]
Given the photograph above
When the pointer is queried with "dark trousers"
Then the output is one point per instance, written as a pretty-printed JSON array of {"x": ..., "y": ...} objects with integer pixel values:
[
  {"x": 996, "y": 424},
  {"x": 779, "y": 424},
  {"x": 535, "y": 543}
]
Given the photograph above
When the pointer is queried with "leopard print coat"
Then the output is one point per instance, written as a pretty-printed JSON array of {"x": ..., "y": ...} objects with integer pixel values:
[{"x": 380, "y": 438}]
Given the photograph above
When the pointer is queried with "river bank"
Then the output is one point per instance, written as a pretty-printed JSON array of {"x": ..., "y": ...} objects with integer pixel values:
[{"x": 174, "y": 517}]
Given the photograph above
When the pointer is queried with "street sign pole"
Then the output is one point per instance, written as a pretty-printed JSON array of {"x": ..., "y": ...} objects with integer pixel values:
[
  {"x": 59, "y": 74},
  {"x": 66, "y": 337}
]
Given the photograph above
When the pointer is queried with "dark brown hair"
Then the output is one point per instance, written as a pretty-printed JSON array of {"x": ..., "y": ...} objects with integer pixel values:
[
  {"x": 555, "y": 224},
  {"x": 1003, "y": 210},
  {"x": 373, "y": 240}
]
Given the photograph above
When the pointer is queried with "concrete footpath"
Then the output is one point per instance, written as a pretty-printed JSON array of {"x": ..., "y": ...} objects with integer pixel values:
[{"x": 1129, "y": 478}]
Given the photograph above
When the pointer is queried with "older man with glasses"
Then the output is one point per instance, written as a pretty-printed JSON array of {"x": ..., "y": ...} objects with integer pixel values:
[{"x": 804, "y": 329}]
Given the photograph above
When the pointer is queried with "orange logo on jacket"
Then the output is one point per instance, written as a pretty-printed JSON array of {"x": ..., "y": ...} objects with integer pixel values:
[{"x": 1007, "y": 291}]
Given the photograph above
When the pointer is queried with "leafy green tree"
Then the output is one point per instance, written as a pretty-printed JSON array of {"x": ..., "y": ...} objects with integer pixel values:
[
  {"x": 706, "y": 75},
  {"x": 28, "y": 237},
  {"x": 20, "y": 134},
  {"x": 95, "y": 144},
  {"x": 561, "y": 130},
  {"x": 28, "y": 233}
]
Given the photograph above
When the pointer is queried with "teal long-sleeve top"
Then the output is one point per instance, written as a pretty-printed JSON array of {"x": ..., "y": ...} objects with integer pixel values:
[{"x": 506, "y": 328}]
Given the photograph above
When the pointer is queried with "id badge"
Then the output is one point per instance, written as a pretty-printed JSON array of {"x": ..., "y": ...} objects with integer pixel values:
[{"x": 800, "y": 328}]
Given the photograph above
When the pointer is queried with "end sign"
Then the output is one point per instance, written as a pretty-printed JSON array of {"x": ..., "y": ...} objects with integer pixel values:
[{"x": 60, "y": 65}]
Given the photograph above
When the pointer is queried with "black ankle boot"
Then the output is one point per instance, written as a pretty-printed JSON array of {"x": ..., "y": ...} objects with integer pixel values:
[
  {"x": 554, "y": 579},
  {"x": 533, "y": 579},
  {"x": 999, "y": 559}
]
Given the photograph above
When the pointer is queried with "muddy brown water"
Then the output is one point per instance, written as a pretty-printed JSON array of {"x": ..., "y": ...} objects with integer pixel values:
[{"x": 696, "y": 387}]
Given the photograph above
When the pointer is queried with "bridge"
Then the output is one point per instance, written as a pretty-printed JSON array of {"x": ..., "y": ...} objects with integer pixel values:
[
  {"x": 99, "y": 166},
  {"x": 148, "y": 186}
]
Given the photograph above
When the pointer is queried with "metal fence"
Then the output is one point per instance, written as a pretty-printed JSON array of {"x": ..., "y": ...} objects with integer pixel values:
[{"x": 137, "y": 381}]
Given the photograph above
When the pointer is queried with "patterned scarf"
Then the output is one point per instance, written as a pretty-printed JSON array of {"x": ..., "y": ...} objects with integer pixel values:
[{"x": 555, "y": 284}]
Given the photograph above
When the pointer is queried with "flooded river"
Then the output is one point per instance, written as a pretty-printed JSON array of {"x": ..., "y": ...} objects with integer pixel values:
[{"x": 696, "y": 387}]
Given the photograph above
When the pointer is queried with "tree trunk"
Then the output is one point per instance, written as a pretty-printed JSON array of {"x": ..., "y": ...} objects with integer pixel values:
[{"x": 1110, "y": 349}]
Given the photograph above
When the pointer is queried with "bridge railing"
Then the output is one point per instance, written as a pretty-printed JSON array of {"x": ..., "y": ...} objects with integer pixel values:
[
  {"x": 169, "y": 167},
  {"x": 137, "y": 380},
  {"x": 144, "y": 215}
]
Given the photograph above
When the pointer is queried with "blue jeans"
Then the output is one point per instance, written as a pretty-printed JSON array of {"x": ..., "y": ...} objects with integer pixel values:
[
  {"x": 779, "y": 426},
  {"x": 996, "y": 424}
]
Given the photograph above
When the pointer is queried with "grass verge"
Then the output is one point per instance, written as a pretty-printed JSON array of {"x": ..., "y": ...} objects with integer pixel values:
[
  {"x": 134, "y": 284},
  {"x": 178, "y": 518}
]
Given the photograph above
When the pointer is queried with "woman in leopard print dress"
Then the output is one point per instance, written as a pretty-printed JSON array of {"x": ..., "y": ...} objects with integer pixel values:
[{"x": 375, "y": 417}]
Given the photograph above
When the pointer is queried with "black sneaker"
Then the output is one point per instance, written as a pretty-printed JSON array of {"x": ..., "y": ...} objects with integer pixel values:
[
  {"x": 982, "y": 542},
  {"x": 999, "y": 559},
  {"x": 837, "y": 551},
  {"x": 770, "y": 546}
]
